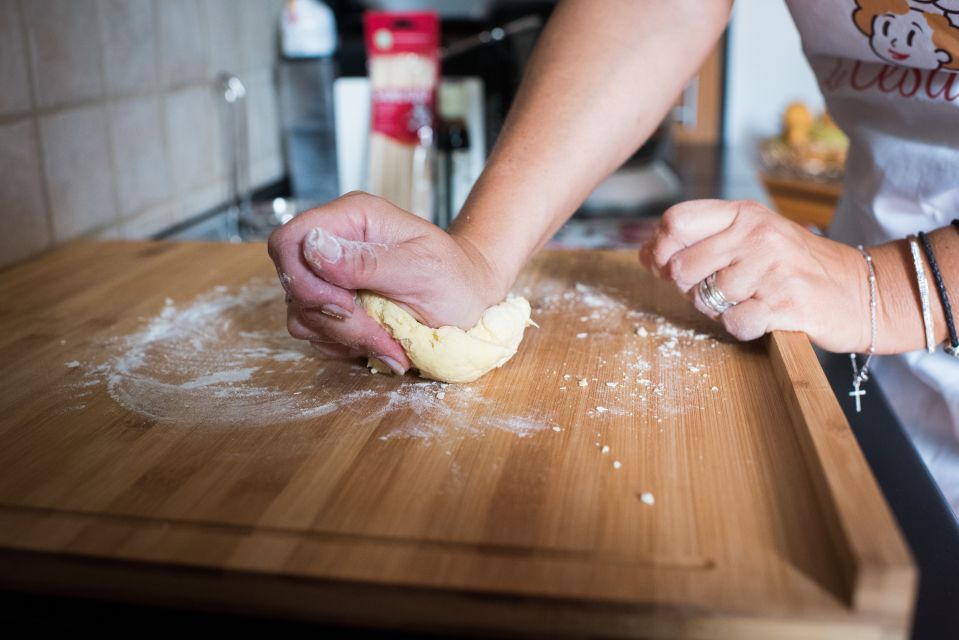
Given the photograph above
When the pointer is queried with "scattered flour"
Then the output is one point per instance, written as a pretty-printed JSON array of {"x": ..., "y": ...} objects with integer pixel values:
[
  {"x": 658, "y": 368},
  {"x": 225, "y": 359}
]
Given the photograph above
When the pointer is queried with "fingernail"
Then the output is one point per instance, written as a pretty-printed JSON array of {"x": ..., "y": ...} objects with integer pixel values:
[
  {"x": 335, "y": 311},
  {"x": 322, "y": 244},
  {"x": 392, "y": 364}
]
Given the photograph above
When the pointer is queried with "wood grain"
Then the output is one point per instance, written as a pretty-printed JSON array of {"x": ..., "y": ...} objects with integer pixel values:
[{"x": 766, "y": 520}]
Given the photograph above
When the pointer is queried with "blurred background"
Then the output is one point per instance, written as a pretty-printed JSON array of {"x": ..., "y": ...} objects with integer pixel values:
[{"x": 219, "y": 119}]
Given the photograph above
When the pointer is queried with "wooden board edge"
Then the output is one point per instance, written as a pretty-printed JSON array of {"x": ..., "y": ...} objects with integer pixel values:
[
  {"x": 386, "y": 607},
  {"x": 879, "y": 569}
]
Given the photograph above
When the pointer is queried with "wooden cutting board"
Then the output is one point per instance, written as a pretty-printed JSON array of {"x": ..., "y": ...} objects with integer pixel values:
[{"x": 630, "y": 473}]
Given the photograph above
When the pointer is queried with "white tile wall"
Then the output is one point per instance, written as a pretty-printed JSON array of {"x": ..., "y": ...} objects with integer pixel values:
[
  {"x": 64, "y": 41},
  {"x": 259, "y": 44},
  {"x": 224, "y": 37},
  {"x": 200, "y": 199},
  {"x": 139, "y": 151},
  {"x": 264, "y": 125},
  {"x": 78, "y": 170},
  {"x": 130, "y": 50},
  {"x": 183, "y": 42},
  {"x": 267, "y": 169},
  {"x": 13, "y": 61},
  {"x": 110, "y": 121},
  {"x": 147, "y": 223},
  {"x": 24, "y": 226},
  {"x": 194, "y": 135}
]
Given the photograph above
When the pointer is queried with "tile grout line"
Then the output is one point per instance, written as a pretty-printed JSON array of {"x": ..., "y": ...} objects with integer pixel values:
[
  {"x": 173, "y": 192},
  {"x": 107, "y": 110},
  {"x": 35, "y": 122}
]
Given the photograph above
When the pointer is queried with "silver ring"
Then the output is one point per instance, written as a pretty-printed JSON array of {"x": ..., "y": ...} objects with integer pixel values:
[{"x": 712, "y": 297}]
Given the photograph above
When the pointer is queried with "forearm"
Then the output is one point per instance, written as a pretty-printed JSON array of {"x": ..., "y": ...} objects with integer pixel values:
[
  {"x": 900, "y": 312},
  {"x": 601, "y": 80}
]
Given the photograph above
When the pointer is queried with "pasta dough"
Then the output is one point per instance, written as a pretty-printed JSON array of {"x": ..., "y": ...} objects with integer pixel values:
[{"x": 449, "y": 354}]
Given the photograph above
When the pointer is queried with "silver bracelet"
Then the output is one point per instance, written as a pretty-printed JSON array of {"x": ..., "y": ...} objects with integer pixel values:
[
  {"x": 861, "y": 374},
  {"x": 923, "y": 294}
]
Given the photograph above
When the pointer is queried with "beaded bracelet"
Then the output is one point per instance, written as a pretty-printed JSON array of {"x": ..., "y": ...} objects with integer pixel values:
[
  {"x": 953, "y": 347},
  {"x": 861, "y": 374}
]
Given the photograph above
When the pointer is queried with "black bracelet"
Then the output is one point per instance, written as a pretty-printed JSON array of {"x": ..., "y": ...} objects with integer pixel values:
[
  {"x": 955, "y": 223},
  {"x": 953, "y": 347}
]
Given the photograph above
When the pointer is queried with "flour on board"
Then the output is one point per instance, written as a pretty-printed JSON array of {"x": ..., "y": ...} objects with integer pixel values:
[{"x": 225, "y": 359}]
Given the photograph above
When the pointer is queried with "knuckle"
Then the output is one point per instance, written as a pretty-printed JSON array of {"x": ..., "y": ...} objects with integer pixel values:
[
  {"x": 361, "y": 199},
  {"x": 762, "y": 234},
  {"x": 274, "y": 245},
  {"x": 750, "y": 208},
  {"x": 661, "y": 254},
  {"x": 676, "y": 267},
  {"x": 673, "y": 221}
]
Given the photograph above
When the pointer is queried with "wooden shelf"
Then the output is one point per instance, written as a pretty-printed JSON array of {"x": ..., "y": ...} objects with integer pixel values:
[{"x": 804, "y": 201}]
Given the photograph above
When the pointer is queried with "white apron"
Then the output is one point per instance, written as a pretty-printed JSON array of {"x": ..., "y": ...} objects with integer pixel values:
[{"x": 886, "y": 69}]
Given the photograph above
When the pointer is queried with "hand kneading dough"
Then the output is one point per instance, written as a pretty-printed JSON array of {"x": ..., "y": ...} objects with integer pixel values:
[{"x": 449, "y": 354}]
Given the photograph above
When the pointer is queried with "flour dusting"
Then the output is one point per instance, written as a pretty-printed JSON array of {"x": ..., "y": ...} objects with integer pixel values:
[
  {"x": 655, "y": 368},
  {"x": 225, "y": 359}
]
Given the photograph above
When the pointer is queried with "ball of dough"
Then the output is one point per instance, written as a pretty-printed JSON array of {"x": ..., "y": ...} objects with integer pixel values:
[{"x": 449, "y": 354}]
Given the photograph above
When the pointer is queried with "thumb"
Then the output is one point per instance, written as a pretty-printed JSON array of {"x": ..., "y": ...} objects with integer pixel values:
[{"x": 352, "y": 264}]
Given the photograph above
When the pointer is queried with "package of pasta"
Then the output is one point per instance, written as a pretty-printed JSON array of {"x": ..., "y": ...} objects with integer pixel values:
[{"x": 403, "y": 58}]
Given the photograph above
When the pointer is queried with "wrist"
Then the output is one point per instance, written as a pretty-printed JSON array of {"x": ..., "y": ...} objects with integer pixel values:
[
  {"x": 900, "y": 310},
  {"x": 491, "y": 279},
  {"x": 867, "y": 295}
]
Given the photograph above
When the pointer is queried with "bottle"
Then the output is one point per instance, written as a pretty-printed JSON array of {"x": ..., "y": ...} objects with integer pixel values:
[
  {"x": 306, "y": 75},
  {"x": 308, "y": 30}
]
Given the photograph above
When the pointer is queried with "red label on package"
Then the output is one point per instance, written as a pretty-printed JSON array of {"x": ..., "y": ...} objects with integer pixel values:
[
  {"x": 403, "y": 53},
  {"x": 402, "y": 114}
]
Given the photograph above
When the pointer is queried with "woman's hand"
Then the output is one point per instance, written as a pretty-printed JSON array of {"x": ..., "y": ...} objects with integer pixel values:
[
  {"x": 782, "y": 276},
  {"x": 360, "y": 241}
]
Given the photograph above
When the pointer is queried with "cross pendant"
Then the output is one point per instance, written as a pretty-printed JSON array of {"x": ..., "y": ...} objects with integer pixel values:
[{"x": 857, "y": 393}]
